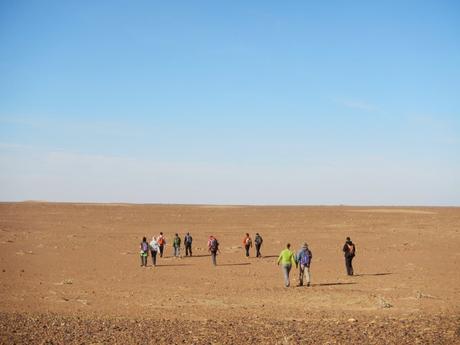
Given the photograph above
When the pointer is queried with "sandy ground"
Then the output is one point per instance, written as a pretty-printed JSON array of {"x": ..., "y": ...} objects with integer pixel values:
[{"x": 70, "y": 273}]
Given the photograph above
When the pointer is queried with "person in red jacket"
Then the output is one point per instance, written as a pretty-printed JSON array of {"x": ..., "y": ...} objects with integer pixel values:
[
  {"x": 349, "y": 250},
  {"x": 247, "y": 243}
]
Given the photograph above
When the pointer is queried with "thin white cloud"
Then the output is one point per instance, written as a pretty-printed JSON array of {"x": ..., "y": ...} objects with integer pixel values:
[
  {"x": 18, "y": 120},
  {"x": 13, "y": 146},
  {"x": 439, "y": 129},
  {"x": 90, "y": 126},
  {"x": 359, "y": 105}
]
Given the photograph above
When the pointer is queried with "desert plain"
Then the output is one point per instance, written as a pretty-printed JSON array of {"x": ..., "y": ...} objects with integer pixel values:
[{"x": 70, "y": 274}]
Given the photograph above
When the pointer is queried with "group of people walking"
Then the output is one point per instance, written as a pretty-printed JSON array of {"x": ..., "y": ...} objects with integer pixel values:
[
  {"x": 157, "y": 244},
  {"x": 247, "y": 243},
  {"x": 301, "y": 259},
  {"x": 187, "y": 244}
]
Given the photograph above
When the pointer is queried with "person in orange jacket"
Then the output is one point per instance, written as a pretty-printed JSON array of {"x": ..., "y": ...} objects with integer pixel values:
[
  {"x": 247, "y": 243},
  {"x": 161, "y": 240}
]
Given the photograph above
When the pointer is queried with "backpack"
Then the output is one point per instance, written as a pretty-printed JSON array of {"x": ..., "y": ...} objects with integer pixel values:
[
  {"x": 161, "y": 241},
  {"x": 177, "y": 241},
  {"x": 258, "y": 240},
  {"x": 188, "y": 239},
  {"x": 247, "y": 241},
  {"x": 351, "y": 249},
  {"x": 145, "y": 247},
  {"x": 305, "y": 258},
  {"x": 214, "y": 245}
]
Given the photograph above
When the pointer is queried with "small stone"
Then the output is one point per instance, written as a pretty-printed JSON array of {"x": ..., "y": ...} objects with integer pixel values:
[{"x": 383, "y": 303}]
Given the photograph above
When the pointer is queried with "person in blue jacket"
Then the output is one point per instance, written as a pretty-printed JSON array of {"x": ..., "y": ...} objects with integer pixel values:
[{"x": 303, "y": 261}]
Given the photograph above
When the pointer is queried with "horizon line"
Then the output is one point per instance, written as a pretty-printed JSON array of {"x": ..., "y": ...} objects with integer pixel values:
[{"x": 222, "y": 204}]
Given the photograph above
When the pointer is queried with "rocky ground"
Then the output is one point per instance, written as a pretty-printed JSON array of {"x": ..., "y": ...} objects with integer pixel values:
[{"x": 55, "y": 329}]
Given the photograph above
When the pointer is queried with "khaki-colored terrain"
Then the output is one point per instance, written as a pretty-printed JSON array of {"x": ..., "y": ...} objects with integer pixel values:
[{"x": 70, "y": 273}]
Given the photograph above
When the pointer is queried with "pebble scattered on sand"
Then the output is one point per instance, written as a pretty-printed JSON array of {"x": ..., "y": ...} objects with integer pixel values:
[{"x": 56, "y": 329}]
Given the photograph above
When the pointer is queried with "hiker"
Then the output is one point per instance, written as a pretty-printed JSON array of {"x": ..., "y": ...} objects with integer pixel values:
[
  {"x": 188, "y": 244},
  {"x": 258, "y": 243},
  {"x": 154, "y": 249},
  {"x": 144, "y": 252},
  {"x": 213, "y": 248},
  {"x": 286, "y": 258},
  {"x": 176, "y": 245},
  {"x": 161, "y": 240},
  {"x": 247, "y": 243},
  {"x": 349, "y": 250},
  {"x": 209, "y": 241},
  {"x": 303, "y": 261}
]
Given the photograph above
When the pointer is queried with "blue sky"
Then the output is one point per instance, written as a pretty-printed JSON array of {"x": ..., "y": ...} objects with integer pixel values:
[{"x": 231, "y": 102}]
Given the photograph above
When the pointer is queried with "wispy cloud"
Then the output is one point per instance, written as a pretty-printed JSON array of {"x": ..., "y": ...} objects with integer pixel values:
[
  {"x": 359, "y": 105},
  {"x": 17, "y": 120},
  {"x": 89, "y": 126},
  {"x": 14, "y": 146},
  {"x": 440, "y": 128}
]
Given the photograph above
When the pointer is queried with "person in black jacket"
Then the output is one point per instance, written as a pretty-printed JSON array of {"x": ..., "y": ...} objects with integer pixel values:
[
  {"x": 349, "y": 249},
  {"x": 188, "y": 244},
  {"x": 258, "y": 242}
]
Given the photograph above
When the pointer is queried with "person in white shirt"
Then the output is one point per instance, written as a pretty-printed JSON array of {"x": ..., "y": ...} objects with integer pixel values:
[{"x": 154, "y": 249}]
